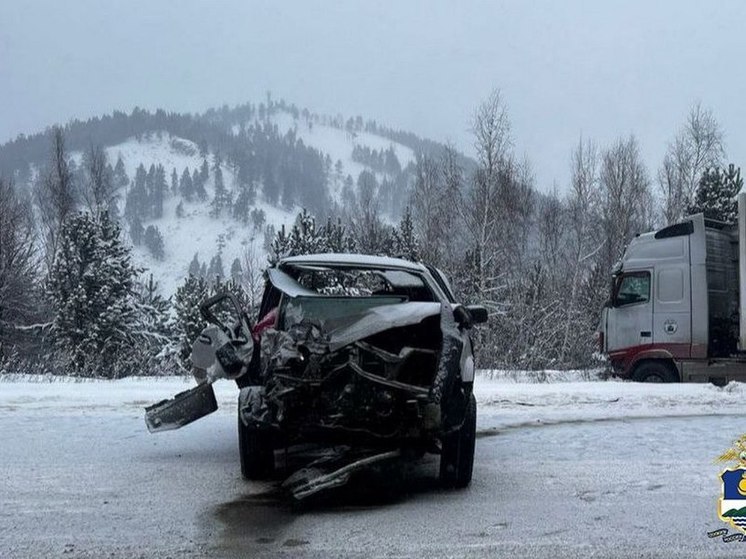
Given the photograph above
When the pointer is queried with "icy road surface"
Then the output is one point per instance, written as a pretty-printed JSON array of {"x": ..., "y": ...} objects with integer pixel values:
[{"x": 81, "y": 477}]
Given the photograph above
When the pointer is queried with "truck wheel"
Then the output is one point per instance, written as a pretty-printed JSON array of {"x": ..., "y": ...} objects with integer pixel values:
[
  {"x": 256, "y": 452},
  {"x": 653, "y": 371},
  {"x": 457, "y": 454}
]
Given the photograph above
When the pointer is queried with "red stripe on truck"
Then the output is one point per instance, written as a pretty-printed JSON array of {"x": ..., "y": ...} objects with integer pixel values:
[{"x": 624, "y": 360}]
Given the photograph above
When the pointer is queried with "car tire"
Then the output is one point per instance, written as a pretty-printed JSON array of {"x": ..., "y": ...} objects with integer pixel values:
[
  {"x": 457, "y": 450},
  {"x": 653, "y": 371},
  {"x": 256, "y": 451}
]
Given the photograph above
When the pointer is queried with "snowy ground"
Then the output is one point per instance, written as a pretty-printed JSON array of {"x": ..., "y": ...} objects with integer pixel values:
[
  {"x": 505, "y": 399},
  {"x": 83, "y": 478}
]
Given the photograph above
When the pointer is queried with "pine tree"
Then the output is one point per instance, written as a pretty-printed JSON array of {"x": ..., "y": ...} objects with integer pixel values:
[
  {"x": 194, "y": 266},
  {"x": 216, "y": 272},
  {"x": 716, "y": 194},
  {"x": 121, "y": 180},
  {"x": 305, "y": 238},
  {"x": 236, "y": 270},
  {"x": 90, "y": 287},
  {"x": 137, "y": 231},
  {"x": 189, "y": 322},
  {"x": 174, "y": 182},
  {"x": 258, "y": 218},
  {"x": 405, "y": 244},
  {"x": 160, "y": 190},
  {"x": 186, "y": 186},
  {"x": 221, "y": 201},
  {"x": 204, "y": 171},
  {"x": 199, "y": 185},
  {"x": 150, "y": 186},
  {"x": 153, "y": 240},
  {"x": 137, "y": 203},
  {"x": 336, "y": 238},
  {"x": 242, "y": 206},
  {"x": 153, "y": 312}
]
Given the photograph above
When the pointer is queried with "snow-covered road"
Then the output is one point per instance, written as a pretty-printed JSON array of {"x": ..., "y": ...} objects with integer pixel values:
[{"x": 81, "y": 477}]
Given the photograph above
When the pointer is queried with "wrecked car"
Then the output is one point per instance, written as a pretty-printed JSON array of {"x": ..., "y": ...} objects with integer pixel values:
[{"x": 370, "y": 356}]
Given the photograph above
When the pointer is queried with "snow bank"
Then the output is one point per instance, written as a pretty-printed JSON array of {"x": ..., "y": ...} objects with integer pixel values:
[
  {"x": 546, "y": 375},
  {"x": 506, "y": 403},
  {"x": 503, "y": 402}
]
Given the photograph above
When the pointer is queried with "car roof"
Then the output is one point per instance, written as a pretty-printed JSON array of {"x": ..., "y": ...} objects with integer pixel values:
[{"x": 354, "y": 260}]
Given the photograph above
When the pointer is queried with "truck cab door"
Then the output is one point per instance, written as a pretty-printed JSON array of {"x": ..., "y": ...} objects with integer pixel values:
[{"x": 629, "y": 319}]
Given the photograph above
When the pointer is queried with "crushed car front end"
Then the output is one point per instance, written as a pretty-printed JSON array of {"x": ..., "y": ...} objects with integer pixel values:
[{"x": 366, "y": 355}]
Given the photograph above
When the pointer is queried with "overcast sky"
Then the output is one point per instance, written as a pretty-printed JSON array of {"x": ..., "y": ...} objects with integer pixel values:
[{"x": 598, "y": 68}]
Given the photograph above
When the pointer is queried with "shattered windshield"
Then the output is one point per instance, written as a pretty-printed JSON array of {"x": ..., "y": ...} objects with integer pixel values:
[
  {"x": 331, "y": 296},
  {"x": 360, "y": 282}
]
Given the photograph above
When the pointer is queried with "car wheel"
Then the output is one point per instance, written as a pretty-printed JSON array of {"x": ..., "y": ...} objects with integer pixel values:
[
  {"x": 256, "y": 451},
  {"x": 457, "y": 453},
  {"x": 654, "y": 372}
]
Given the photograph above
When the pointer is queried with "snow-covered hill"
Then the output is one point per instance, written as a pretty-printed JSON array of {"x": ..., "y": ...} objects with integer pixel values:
[{"x": 196, "y": 232}]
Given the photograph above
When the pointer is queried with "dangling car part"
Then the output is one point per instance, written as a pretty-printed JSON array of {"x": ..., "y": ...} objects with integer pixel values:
[{"x": 358, "y": 352}]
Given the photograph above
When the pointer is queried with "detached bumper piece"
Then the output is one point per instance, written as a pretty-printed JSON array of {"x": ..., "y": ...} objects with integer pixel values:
[
  {"x": 182, "y": 409},
  {"x": 334, "y": 471}
]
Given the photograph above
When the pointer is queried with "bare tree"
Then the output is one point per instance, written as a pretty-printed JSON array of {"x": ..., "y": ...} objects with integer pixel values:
[
  {"x": 17, "y": 264},
  {"x": 697, "y": 146},
  {"x": 452, "y": 205},
  {"x": 364, "y": 216},
  {"x": 99, "y": 191},
  {"x": 427, "y": 208},
  {"x": 492, "y": 142},
  {"x": 252, "y": 278},
  {"x": 584, "y": 239},
  {"x": 55, "y": 194},
  {"x": 627, "y": 204}
]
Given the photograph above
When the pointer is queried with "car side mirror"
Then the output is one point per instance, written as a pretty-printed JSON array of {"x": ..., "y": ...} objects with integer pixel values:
[
  {"x": 462, "y": 316},
  {"x": 478, "y": 314}
]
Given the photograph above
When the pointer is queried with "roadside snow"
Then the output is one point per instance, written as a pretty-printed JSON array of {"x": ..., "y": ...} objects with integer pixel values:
[{"x": 502, "y": 403}]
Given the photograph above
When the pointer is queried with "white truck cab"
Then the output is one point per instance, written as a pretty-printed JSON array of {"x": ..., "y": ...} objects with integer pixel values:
[{"x": 673, "y": 314}]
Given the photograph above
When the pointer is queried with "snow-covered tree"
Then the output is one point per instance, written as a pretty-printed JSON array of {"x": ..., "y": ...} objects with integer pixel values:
[
  {"x": 405, "y": 243},
  {"x": 216, "y": 271},
  {"x": 154, "y": 324},
  {"x": 90, "y": 287},
  {"x": 194, "y": 266},
  {"x": 189, "y": 322}
]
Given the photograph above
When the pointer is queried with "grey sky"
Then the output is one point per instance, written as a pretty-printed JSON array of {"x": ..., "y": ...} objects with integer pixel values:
[{"x": 599, "y": 68}]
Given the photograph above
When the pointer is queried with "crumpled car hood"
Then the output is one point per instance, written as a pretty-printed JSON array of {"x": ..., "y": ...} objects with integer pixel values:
[{"x": 380, "y": 319}]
